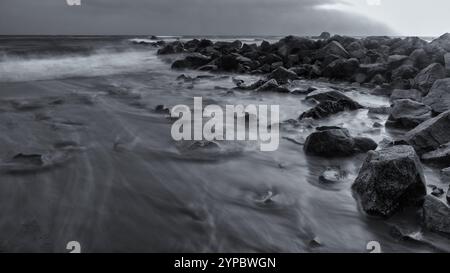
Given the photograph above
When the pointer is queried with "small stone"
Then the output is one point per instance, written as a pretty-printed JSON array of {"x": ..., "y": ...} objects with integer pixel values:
[{"x": 438, "y": 192}]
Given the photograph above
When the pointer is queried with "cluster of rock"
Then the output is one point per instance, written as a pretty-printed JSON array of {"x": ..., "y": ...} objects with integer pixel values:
[
  {"x": 414, "y": 73},
  {"x": 398, "y": 63},
  {"x": 336, "y": 142}
]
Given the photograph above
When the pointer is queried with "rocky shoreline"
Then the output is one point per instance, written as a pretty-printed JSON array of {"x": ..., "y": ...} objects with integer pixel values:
[{"x": 414, "y": 73}]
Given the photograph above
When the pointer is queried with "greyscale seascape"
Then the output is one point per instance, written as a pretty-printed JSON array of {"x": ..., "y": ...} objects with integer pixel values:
[
  {"x": 225, "y": 135},
  {"x": 87, "y": 153}
]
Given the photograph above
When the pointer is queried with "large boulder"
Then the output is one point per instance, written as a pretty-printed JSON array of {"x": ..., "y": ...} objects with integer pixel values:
[
  {"x": 341, "y": 68},
  {"x": 171, "y": 48},
  {"x": 325, "y": 36},
  {"x": 333, "y": 48},
  {"x": 420, "y": 58},
  {"x": 336, "y": 142},
  {"x": 443, "y": 42},
  {"x": 408, "y": 114},
  {"x": 436, "y": 215},
  {"x": 293, "y": 45},
  {"x": 430, "y": 134},
  {"x": 357, "y": 50},
  {"x": 228, "y": 63},
  {"x": 390, "y": 179},
  {"x": 405, "y": 71},
  {"x": 400, "y": 94},
  {"x": 426, "y": 78},
  {"x": 439, "y": 96},
  {"x": 282, "y": 75},
  {"x": 407, "y": 46},
  {"x": 192, "y": 61},
  {"x": 395, "y": 61},
  {"x": 440, "y": 156}
]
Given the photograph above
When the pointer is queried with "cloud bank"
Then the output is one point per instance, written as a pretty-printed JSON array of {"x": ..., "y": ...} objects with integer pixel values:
[{"x": 183, "y": 17}]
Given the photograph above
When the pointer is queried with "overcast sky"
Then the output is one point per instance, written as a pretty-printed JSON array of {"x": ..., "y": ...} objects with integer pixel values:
[{"x": 226, "y": 17}]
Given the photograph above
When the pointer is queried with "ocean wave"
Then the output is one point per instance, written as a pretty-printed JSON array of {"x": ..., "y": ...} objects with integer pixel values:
[{"x": 19, "y": 69}]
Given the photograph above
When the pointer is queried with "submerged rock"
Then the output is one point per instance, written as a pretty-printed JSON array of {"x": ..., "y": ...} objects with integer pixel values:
[
  {"x": 408, "y": 114},
  {"x": 439, "y": 96},
  {"x": 436, "y": 215},
  {"x": 23, "y": 163},
  {"x": 332, "y": 175},
  {"x": 389, "y": 180},
  {"x": 335, "y": 143},
  {"x": 321, "y": 96},
  {"x": 328, "y": 108},
  {"x": 161, "y": 109},
  {"x": 430, "y": 134}
]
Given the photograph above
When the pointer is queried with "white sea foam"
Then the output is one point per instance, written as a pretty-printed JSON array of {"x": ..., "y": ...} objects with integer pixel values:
[{"x": 99, "y": 64}]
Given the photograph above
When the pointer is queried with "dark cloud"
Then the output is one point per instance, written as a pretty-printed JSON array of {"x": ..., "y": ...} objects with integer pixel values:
[{"x": 221, "y": 17}]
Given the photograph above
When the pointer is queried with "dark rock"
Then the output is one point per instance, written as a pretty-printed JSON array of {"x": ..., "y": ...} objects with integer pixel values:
[
  {"x": 430, "y": 134},
  {"x": 407, "y": 46},
  {"x": 272, "y": 85},
  {"x": 343, "y": 40},
  {"x": 382, "y": 110},
  {"x": 419, "y": 58},
  {"x": 395, "y": 61},
  {"x": 25, "y": 163},
  {"x": 408, "y": 114},
  {"x": 446, "y": 175},
  {"x": 329, "y": 107},
  {"x": 436, "y": 215},
  {"x": 265, "y": 47},
  {"x": 389, "y": 180},
  {"x": 325, "y": 128},
  {"x": 282, "y": 75},
  {"x": 426, "y": 78},
  {"x": 321, "y": 96},
  {"x": 208, "y": 67},
  {"x": 382, "y": 90},
  {"x": 193, "y": 61},
  {"x": 377, "y": 125},
  {"x": 447, "y": 63},
  {"x": 325, "y": 36},
  {"x": 341, "y": 69},
  {"x": 331, "y": 143},
  {"x": 172, "y": 48},
  {"x": 438, "y": 192},
  {"x": 332, "y": 175},
  {"x": 441, "y": 155},
  {"x": 405, "y": 71},
  {"x": 333, "y": 48},
  {"x": 412, "y": 94},
  {"x": 161, "y": 109},
  {"x": 293, "y": 45},
  {"x": 439, "y": 96},
  {"x": 443, "y": 42},
  {"x": 228, "y": 63},
  {"x": 364, "y": 144}
]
